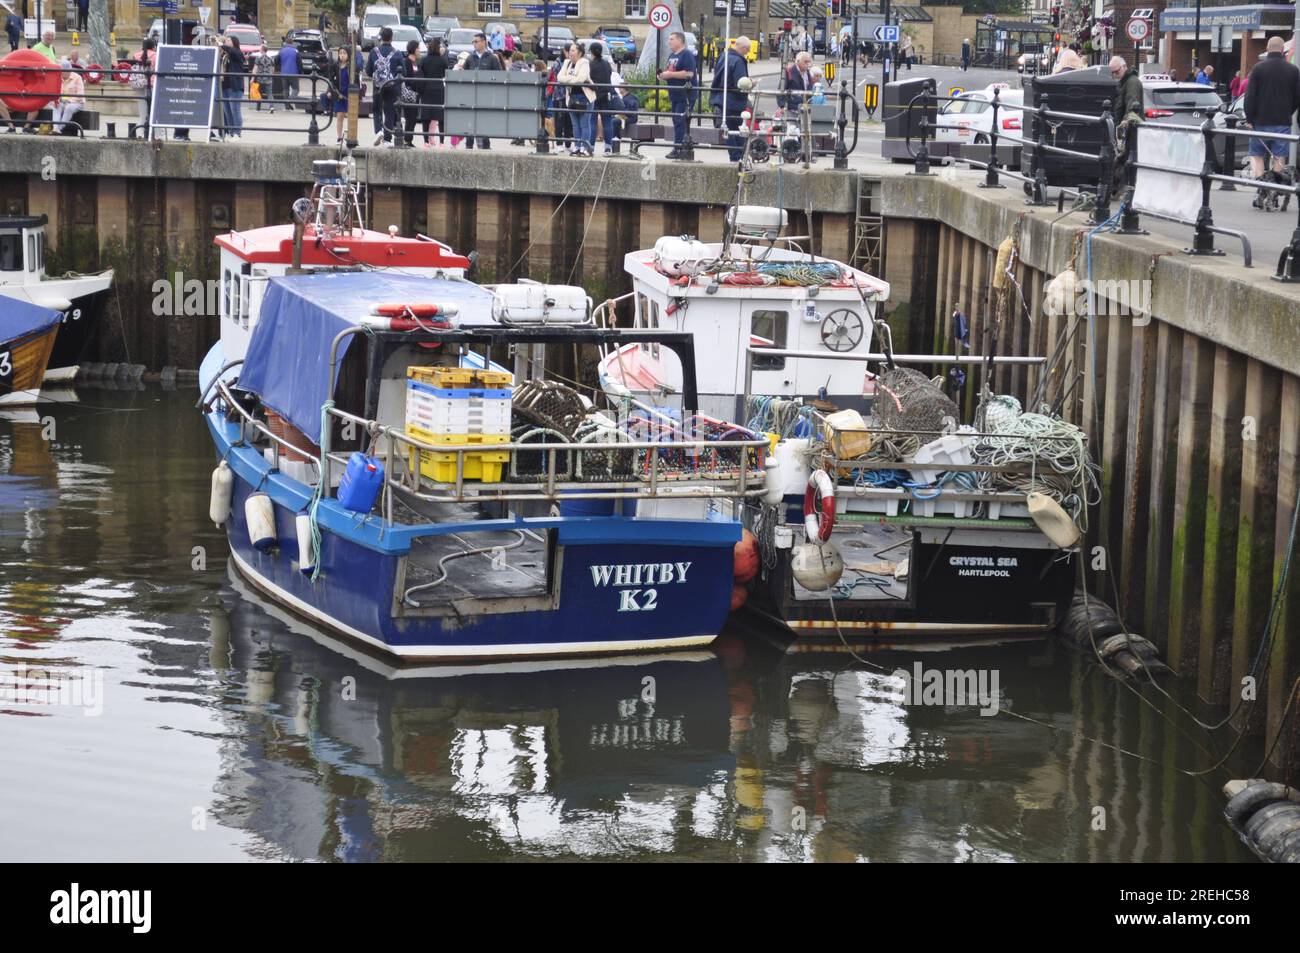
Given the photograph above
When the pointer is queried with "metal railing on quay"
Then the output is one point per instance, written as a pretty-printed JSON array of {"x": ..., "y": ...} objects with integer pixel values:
[{"x": 1219, "y": 161}]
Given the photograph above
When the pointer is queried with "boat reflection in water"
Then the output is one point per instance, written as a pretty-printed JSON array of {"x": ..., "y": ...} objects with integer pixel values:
[
  {"x": 740, "y": 753},
  {"x": 341, "y": 755}
]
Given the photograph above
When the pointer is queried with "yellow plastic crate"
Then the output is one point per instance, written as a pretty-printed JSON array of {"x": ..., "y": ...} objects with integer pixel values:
[
  {"x": 493, "y": 378},
  {"x": 442, "y": 376},
  {"x": 484, "y": 465}
]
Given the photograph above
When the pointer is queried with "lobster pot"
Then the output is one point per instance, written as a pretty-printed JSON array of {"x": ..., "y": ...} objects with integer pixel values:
[{"x": 259, "y": 513}]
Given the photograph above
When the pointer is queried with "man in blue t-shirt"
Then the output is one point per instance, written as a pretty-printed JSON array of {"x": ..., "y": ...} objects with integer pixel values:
[{"x": 679, "y": 74}]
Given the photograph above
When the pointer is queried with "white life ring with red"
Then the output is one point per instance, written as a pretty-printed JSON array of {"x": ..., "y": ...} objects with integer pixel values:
[{"x": 819, "y": 518}]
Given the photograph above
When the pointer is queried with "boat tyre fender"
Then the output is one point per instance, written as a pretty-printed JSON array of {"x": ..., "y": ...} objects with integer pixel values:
[
  {"x": 819, "y": 506},
  {"x": 1245, "y": 803},
  {"x": 1270, "y": 823},
  {"x": 1286, "y": 849}
]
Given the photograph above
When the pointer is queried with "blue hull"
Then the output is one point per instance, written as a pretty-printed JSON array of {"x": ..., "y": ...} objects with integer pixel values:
[{"x": 683, "y": 601}]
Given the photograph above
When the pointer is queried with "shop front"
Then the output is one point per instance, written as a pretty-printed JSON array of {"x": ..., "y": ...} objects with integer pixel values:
[{"x": 1248, "y": 27}]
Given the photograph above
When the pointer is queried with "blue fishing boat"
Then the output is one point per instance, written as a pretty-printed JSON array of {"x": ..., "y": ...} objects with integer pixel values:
[{"x": 400, "y": 465}]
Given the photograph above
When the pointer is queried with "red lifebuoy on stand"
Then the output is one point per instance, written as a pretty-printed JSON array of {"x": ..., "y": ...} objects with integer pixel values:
[
  {"x": 819, "y": 507},
  {"x": 28, "y": 81}
]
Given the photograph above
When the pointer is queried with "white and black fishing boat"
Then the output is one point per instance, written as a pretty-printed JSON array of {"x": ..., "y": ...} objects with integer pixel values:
[
  {"x": 891, "y": 515},
  {"x": 79, "y": 298}
]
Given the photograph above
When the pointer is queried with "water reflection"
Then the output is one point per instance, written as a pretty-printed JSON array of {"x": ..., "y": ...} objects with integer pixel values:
[{"x": 230, "y": 729}]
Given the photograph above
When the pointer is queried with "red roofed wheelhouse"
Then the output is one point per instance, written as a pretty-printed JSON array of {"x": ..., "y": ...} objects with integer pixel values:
[{"x": 332, "y": 238}]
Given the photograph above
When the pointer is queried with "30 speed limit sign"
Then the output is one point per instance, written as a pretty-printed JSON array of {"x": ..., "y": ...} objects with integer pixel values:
[
  {"x": 660, "y": 16},
  {"x": 1137, "y": 30}
]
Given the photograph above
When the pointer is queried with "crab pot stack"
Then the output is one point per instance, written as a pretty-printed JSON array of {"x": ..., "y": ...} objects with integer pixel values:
[{"x": 458, "y": 407}]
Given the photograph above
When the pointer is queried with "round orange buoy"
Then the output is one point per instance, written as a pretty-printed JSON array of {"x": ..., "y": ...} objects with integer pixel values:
[
  {"x": 746, "y": 557},
  {"x": 28, "y": 81},
  {"x": 738, "y": 596}
]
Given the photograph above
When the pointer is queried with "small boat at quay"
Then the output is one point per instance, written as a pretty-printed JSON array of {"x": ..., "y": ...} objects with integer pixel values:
[
  {"x": 80, "y": 299},
  {"x": 399, "y": 465},
  {"x": 892, "y": 514},
  {"x": 27, "y": 333}
]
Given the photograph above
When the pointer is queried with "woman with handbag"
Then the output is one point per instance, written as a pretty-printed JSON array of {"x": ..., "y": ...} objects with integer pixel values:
[
  {"x": 408, "y": 97},
  {"x": 575, "y": 77}
]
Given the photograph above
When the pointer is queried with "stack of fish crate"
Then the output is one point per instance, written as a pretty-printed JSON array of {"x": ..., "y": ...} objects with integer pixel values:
[{"x": 458, "y": 407}]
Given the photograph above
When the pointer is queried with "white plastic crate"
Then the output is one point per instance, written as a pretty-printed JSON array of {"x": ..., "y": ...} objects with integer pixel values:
[
  {"x": 883, "y": 500},
  {"x": 1000, "y": 510},
  {"x": 951, "y": 448},
  {"x": 943, "y": 505},
  {"x": 462, "y": 411}
]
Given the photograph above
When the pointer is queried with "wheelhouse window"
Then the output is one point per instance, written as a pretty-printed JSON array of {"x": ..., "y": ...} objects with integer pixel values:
[
  {"x": 768, "y": 329},
  {"x": 11, "y": 253}
]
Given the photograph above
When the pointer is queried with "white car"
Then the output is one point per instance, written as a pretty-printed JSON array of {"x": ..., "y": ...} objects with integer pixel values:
[
  {"x": 375, "y": 19},
  {"x": 403, "y": 34},
  {"x": 969, "y": 117}
]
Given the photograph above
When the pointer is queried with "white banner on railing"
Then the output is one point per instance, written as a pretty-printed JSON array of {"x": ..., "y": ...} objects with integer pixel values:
[{"x": 1165, "y": 190}]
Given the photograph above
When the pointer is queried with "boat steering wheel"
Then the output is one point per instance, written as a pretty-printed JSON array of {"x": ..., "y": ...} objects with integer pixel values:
[{"x": 842, "y": 330}]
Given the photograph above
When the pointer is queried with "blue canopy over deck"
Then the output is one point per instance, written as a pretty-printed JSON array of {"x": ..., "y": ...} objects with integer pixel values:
[
  {"x": 20, "y": 319},
  {"x": 289, "y": 352}
]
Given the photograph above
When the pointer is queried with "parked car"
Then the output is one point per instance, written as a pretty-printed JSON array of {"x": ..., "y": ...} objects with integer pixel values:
[
  {"x": 313, "y": 50},
  {"x": 506, "y": 27},
  {"x": 558, "y": 37},
  {"x": 458, "y": 42},
  {"x": 439, "y": 27},
  {"x": 618, "y": 41},
  {"x": 969, "y": 117},
  {"x": 187, "y": 30},
  {"x": 404, "y": 33},
  {"x": 249, "y": 37},
  {"x": 1169, "y": 102},
  {"x": 377, "y": 17}
]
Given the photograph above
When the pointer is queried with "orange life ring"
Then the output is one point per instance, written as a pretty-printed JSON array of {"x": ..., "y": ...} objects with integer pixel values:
[
  {"x": 28, "y": 81},
  {"x": 819, "y": 515},
  {"x": 419, "y": 310}
]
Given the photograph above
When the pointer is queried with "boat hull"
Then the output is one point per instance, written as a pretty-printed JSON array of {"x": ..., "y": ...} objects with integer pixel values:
[
  {"x": 22, "y": 365},
  {"x": 585, "y": 611},
  {"x": 82, "y": 300},
  {"x": 960, "y": 585}
]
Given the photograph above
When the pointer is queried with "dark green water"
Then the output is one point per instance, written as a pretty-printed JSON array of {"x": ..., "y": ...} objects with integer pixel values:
[{"x": 229, "y": 731}]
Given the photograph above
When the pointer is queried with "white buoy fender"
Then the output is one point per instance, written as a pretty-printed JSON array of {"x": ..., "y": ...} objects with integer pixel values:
[
  {"x": 772, "y": 481},
  {"x": 306, "y": 558},
  {"x": 259, "y": 513},
  {"x": 223, "y": 485},
  {"x": 816, "y": 566},
  {"x": 1061, "y": 294},
  {"x": 1052, "y": 520}
]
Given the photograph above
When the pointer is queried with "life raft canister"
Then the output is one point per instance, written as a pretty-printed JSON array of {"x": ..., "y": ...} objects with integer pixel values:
[
  {"x": 819, "y": 514},
  {"x": 28, "y": 81}
]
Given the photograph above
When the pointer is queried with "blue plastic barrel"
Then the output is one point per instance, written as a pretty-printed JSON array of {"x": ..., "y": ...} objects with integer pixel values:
[{"x": 361, "y": 482}]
